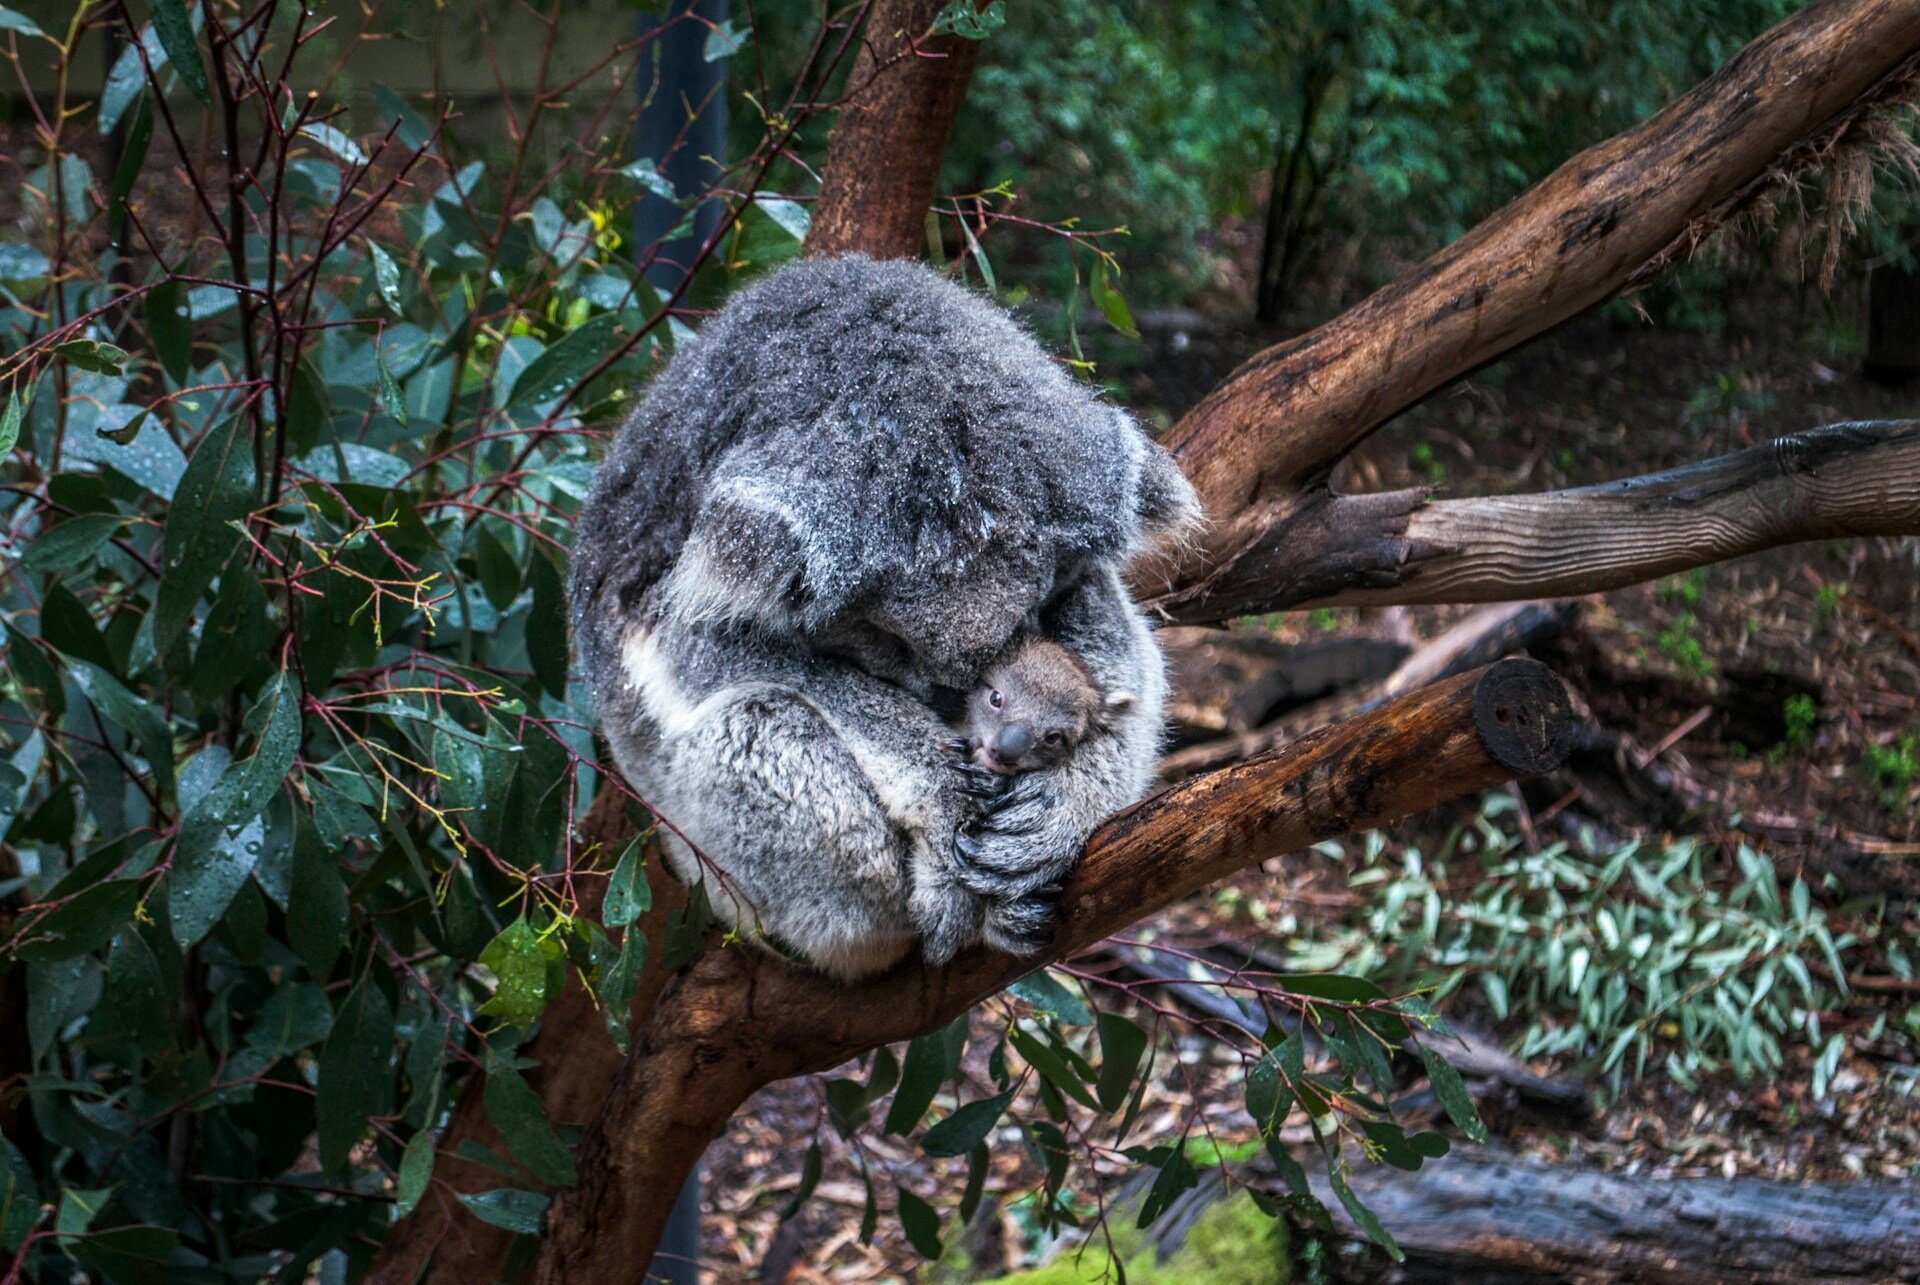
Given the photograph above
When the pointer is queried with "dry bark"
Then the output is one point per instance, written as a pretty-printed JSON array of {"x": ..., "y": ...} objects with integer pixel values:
[{"x": 738, "y": 1019}]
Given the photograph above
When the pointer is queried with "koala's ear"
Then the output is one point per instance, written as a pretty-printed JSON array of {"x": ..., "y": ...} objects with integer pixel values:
[
  {"x": 1114, "y": 706},
  {"x": 743, "y": 560},
  {"x": 1166, "y": 503}
]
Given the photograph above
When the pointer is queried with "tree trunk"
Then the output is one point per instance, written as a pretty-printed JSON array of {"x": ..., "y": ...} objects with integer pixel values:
[{"x": 885, "y": 152}]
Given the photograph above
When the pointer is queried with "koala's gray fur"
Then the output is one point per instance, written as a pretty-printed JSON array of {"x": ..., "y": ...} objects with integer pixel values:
[{"x": 852, "y": 489}]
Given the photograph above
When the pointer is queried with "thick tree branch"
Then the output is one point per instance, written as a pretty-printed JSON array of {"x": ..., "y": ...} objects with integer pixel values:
[
  {"x": 884, "y": 156},
  {"x": 1841, "y": 481},
  {"x": 739, "y": 1019},
  {"x": 574, "y": 1061},
  {"x": 1592, "y": 228}
]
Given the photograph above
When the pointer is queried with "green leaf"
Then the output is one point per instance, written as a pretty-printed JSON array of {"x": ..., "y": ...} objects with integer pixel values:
[
  {"x": 1362, "y": 1216},
  {"x": 647, "y": 175},
  {"x": 629, "y": 895},
  {"x": 921, "y": 1224},
  {"x": 317, "y": 904},
  {"x": 1051, "y": 996},
  {"x": 71, "y": 544},
  {"x": 519, "y": 1212},
  {"x": 976, "y": 1182},
  {"x": 556, "y": 371},
  {"x": 390, "y": 399},
  {"x": 809, "y": 1179},
  {"x": 93, "y": 355},
  {"x": 1452, "y": 1092},
  {"x": 295, "y": 1017},
  {"x": 134, "y": 1006},
  {"x": 176, "y": 33},
  {"x": 118, "y": 705},
  {"x": 69, "y": 628},
  {"x": 516, "y": 1112},
  {"x": 1052, "y": 1067},
  {"x": 967, "y": 1127},
  {"x": 1176, "y": 1177},
  {"x": 10, "y": 424},
  {"x": 416, "y": 1171},
  {"x": 216, "y": 489},
  {"x": 127, "y": 172},
  {"x": 129, "y": 77},
  {"x": 790, "y": 217},
  {"x": 386, "y": 277},
  {"x": 920, "y": 1078},
  {"x": 14, "y": 20},
  {"x": 83, "y": 924},
  {"x": 126, "y": 1255},
  {"x": 547, "y": 626},
  {"x": 221, "y": 836},
  {"x": 411, "y": 130},
  {"x": 518, "y": 960},
  {"x": 1112, "y": 304},
  {"x": 1122, "y": 1043},
  {"x": 19, "y": 1197},
  {"x": 171, "y": 329},
  {"x": 723, "y": 41},
  {"x": 618, "y": 984},
  {"x": 355, "y": 1082},
  {"x": 962, "y": 18}
]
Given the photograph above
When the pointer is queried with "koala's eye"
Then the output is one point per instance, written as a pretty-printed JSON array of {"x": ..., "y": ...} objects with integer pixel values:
[
  {"x": 1054, "y": 738},
  {"x": 995, "y": 699}
]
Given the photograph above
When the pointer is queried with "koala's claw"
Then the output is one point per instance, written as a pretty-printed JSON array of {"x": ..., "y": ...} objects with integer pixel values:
[
  {"x": 968, "y": 847},
  {"x": 958, "y": 745}
]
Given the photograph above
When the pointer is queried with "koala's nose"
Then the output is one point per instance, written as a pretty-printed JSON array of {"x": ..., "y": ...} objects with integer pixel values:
[{"x": 1013, "y": 741}]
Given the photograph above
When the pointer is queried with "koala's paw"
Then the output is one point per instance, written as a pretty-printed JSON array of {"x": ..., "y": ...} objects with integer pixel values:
[
  {"x": 1014, "y": 858},
  {"x": 1022, "y": 925},
  {"x": 949, "y": 920},
  {"x": 976, "y": 782}
]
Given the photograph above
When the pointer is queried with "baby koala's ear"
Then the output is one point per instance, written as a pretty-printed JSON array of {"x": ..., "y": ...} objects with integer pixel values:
[{"x": 1114, "y": 705}]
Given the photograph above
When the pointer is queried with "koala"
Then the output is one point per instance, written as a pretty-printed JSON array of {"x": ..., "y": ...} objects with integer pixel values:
[
  {"x": 827, "y": 517},
  {"x": 1033, "y": 708}
]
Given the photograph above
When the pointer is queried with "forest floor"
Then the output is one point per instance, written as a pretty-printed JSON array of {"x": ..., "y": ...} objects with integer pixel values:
[{"x": 1772, "y": 702}]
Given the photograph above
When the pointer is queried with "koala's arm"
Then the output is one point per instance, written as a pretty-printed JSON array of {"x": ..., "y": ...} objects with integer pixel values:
[{"x": 1016, "y": 854}]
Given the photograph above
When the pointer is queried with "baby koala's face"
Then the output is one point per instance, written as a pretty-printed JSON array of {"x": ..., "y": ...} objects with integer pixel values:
[{"x": 1031, "y": 709}]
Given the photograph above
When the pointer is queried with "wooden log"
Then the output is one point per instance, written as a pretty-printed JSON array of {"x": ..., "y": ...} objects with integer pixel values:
[
  {"x": 1477, "y": 1213},
  {"x": 1600, "y": 223},
  {"x": 738, "y": 1019}
]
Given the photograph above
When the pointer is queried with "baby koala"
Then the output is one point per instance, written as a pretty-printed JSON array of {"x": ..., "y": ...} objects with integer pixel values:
[{"x": 1033, "y": 706}]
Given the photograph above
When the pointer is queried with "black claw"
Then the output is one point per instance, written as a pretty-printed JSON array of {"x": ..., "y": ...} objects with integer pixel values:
[
  {"x": 958, "y": 745},
  {"x": 967, "y": 847}
]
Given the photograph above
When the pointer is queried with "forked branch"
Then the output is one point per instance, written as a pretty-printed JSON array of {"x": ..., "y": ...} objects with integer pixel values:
[{"x": 739, "y": 1019}]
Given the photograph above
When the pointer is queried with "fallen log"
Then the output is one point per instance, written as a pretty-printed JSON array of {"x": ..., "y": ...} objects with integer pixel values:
[{"x": 1493, "y": 1216}]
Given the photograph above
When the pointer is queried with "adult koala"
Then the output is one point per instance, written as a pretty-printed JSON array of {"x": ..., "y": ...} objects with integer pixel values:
[{"x": 845, "y": 496}]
